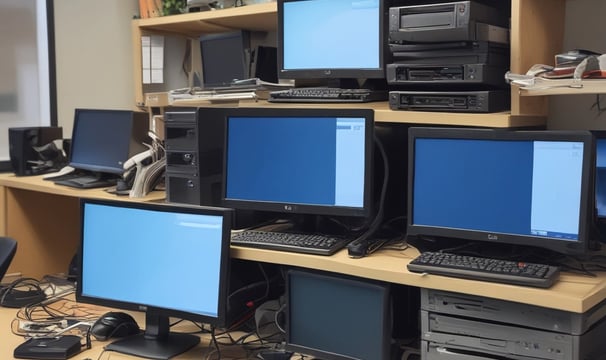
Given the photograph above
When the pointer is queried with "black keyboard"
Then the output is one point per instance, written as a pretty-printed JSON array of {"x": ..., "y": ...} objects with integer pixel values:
[
  {"x": 480, "y": 268},
  {"x": 324, "y": 94},
  {"x": 293, "y": 242}
]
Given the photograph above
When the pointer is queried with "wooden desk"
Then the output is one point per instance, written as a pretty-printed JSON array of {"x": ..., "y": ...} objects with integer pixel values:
[
  {"x": 45, "y": 219},
  {"x": 10, "y": 341}
]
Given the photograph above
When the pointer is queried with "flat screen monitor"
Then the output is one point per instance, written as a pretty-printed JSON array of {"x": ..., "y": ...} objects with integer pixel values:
[
  {"x": 336, "y": 318},
  {"x": 529, "y": 188},
  {"x": 600, "y": 175},
  {"x": 331, "y": 39},
  {"x": 168, "y": 260},
  {"x": 225, "y": 57},
  {"x": 299, "y": 161},
  {"x": 102, "y": 140}
]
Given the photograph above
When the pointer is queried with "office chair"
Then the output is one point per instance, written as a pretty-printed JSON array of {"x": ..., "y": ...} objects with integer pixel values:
[{"x": 8, "y": 248}]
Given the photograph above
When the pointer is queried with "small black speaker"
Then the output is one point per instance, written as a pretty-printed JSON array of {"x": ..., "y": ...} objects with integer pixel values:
[{"x": 22, "y": 140}]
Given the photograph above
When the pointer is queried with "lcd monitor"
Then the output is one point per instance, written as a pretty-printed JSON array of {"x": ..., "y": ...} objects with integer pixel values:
[
  {"x": 102, "y": 140},
  {"x": 225, "y": 57},
  {"x": 332, "y": 40},
  {"x": 299, "y": 161},
  {"x": 600, "y": 175},
  {"x": 167, "y": 260},
  {"x": 528, "y": 188},
  {"x": 337, "y": 318}
]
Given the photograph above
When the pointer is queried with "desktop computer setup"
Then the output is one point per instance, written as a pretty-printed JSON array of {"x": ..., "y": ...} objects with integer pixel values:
[{"x": 102, "y": 143}]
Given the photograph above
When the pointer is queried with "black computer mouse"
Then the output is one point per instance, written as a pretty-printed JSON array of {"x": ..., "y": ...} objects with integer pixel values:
[{"x": 114, "y": 324}]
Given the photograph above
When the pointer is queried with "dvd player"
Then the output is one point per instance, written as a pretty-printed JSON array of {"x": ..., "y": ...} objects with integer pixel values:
[
  {"x": 462, "y": 76},
  {"x": 461, "y": 20},
  {"x": 457, "y": 52},
  {"x": 482, "y": 101}
]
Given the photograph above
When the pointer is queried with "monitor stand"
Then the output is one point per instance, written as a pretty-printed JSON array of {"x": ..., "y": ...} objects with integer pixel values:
[{"x": 157, "y": 342}]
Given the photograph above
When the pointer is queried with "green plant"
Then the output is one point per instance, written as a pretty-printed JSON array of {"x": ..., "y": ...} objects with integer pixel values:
[{"x": 171, "y": 7}]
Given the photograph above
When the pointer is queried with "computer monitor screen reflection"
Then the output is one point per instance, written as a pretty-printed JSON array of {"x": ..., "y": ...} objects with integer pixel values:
[{"x": 167, "y": 260}]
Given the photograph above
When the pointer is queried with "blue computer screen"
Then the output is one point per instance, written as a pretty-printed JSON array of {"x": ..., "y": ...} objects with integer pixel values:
[
  {"x": 297, "y": 160},
  {"x": 531, "y": 188},
  {"x": 332, "y": 34},
  {"x": 128, "y": 256},
  {"x": 600, "y": 177}
]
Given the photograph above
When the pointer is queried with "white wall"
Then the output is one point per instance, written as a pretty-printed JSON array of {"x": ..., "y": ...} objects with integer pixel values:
[{"x": 94, "y": 56}]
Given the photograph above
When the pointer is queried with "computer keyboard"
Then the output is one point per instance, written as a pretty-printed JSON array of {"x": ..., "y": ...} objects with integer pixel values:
[
  {"x": 293, "y": 242},
  {"x": 327, "y": 94},
  {"x": 487, "y": 269}
]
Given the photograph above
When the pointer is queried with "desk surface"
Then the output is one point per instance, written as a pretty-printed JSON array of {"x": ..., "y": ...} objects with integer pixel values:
[
  {"x": 10, "y": 340},
  {"x": 574, "y": 293}
]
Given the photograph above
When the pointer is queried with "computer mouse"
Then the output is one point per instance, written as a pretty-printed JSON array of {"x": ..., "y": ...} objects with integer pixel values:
[{"x": 114, "y": 324}]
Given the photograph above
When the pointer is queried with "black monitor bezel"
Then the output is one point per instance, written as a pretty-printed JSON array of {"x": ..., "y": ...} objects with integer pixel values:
[
  {"x": 333, "y": 74},
  {"x": 227, "y": 214},
  {"x": 296, "y": 208},
  {"x": 586, "y": 241},
  {"x": 135, "y": 143},
  {"x": 383, "y": 290}
]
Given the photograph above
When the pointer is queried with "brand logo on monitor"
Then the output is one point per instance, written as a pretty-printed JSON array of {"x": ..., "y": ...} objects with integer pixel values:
[
  {"x": 288, "y": 208},
  {"x": 493, "y": 237}
]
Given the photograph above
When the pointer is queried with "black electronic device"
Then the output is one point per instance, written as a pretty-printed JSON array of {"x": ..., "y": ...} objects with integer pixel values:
[
  {"x": 448, "y": 21},
  {"x": 336, "y": 42},
  {"x": 226, "y": 57},
  {"x": 299, "y": 161},
  {"x": 131, "y": 265},
  {"x": 52, "y": 348},
  {"x": 194, "y": 140},
  {"x": 23, "y": 141},
  {"x": 428, "y": 76},
  {"x": 103, "y": 140},
  {"x": 600, "y": 174},
  {"x": 472, "y": 101},
  {"x": 501, "y": 188},
  {"x": 114, "y": 324},
  {"x": 337, "y": 317},
  {"x": 452, "y": 53}
]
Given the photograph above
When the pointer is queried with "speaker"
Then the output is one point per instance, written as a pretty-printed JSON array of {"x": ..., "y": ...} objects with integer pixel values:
[{"x": 25, "y": 160}]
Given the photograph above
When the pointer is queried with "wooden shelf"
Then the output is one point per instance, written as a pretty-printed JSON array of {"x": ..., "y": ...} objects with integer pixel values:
[
  {"x": 534, "y": 37},
  {"x": 384, "y": 114},
  {"x": 257, "y": 17},
  {"x": 562, "y": 87}
]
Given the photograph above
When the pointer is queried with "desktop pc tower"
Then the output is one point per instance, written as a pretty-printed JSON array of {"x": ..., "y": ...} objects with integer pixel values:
[
  {"x": 194, "y": 155},
  {"x": 22, "y": 143}
]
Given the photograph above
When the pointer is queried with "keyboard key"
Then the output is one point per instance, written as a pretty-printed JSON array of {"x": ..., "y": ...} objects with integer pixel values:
[{"x": 487, "y": 269}]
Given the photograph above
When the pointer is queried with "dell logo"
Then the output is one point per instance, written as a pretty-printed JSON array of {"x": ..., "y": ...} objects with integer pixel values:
[
  {"x": 288, "y": 207},
  {"x": 493, "y": 237}
]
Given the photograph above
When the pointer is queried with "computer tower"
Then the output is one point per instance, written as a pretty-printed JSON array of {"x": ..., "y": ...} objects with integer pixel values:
[
  {"x": 22, "y": 141},
  {"x": 194, "y": 155}
]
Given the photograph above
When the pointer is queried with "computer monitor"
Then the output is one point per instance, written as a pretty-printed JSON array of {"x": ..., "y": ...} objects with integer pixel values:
[
  {"x": 168, "y": 260},
  {"x": 299, "y": 161},
  {"x": 102, "y": 140},
  {"x": 528, "y": 188},
  {"x": 331, "y": 40},
  {"x": 335, "y": 317},
  {"x": 600, "y": 174},
  {"x": 225, "y": 57}
]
